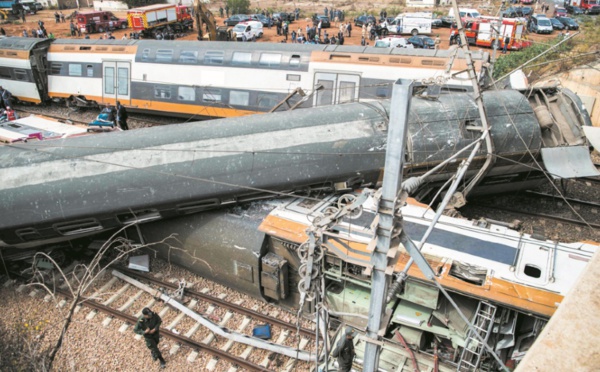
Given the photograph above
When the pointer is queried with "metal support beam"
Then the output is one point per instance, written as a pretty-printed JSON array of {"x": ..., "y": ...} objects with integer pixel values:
[{"x": 389, "y": 220}]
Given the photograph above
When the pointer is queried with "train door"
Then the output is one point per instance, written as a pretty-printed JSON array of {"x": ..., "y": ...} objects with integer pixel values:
[
  {"x": 116, "y": 82},
  {"x": 336, "y": 88}
]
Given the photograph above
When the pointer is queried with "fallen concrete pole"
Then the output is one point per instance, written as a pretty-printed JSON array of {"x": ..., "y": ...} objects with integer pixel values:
[{"x": 218, "y": 330}]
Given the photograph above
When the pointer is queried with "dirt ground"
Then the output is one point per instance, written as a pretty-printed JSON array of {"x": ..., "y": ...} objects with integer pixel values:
[{"x": 61, "y": 30}]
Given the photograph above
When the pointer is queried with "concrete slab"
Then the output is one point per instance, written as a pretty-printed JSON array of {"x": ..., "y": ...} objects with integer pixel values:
[{"x": 571, "y": 341}]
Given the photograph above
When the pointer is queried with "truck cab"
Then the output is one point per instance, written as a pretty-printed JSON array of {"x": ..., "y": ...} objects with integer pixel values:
[{"x": 100, "y": 21}]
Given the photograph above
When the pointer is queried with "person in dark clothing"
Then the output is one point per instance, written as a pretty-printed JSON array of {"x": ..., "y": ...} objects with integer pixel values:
[
  {"x": 344, "y": 350},
  {"x": 506, "y": 42},
  {"x": 149, "y": 326},
  {"x": 122, "y": 116}
]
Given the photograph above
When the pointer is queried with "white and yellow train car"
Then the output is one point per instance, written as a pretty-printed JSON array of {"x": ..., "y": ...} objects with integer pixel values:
[
  {"x": 220, "y": 79},
  {"x": 22, "y": 68}
]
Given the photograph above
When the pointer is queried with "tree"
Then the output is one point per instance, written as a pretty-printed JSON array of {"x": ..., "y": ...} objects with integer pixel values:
[{"x": 238, "y": 6}]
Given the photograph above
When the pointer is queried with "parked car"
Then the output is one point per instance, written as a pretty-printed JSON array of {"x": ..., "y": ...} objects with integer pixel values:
[
  {"x": 251, "y": 30},
  {"x": 560, "y": 12},
  {"x": 574, "y": 10},
  {"x": 235, "y": 19},
  {"x": 325, "y": 22},
  {"x": 447, "y": 21},
  {"x": 569, "y": 23},
  {"x": 364, "y": 20},
  {"x": 556, "y": 24},
  {"x": 282, "y": 16},
  {"x": 422, "y": 41},
  {"x": 526, "y": 1},
  {"x": 436, "y": 23},
  {"x": 540, "y": 24},
  {"x": 262, "y": 19}
]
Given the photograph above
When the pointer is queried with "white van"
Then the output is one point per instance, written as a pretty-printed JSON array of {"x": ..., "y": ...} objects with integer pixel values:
[
  {"x": 465, "y": 13},
  {"x": 393, "y": 42},
  {"x": 250, "y": 29}
]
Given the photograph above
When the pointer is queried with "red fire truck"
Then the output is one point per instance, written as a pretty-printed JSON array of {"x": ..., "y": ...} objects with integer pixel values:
[
  {"x": 101, "y": 21},
  {"x": 588, "y": 6},
  {"x": 152, "y": 19},
  {"x": 480, "y": 32}
]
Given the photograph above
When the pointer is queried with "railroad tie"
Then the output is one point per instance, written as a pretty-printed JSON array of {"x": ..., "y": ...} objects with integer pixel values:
[
  {"x": 125, "y": 325},
  {"x": 291, "y": 363},
  {"x": 179, "y": 317},
  {"x": 212, "y": 363},
  {"x": 195, "y": 327},
  {"x": 246, "y": 353},
  {"x": 112, "y": 299},
  {"x": 99, "y": 292},
  {"x": 123, "y": 308},
  {"x": 283, "y": 335}
]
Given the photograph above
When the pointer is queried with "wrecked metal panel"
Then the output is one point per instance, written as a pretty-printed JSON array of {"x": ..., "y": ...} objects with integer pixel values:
[
  {"x": 421, "y": 294},
  {"x": 141, "y": 263},
  {"x": 224, "y": 246},
  {"x": 569, "y": 162},
  {"x": 593, "y": 136}
]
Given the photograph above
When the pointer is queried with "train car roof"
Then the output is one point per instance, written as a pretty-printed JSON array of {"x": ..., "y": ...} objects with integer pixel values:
[
  {"x": 280, "y": 47},
  {"x": 21, "y": 43}
]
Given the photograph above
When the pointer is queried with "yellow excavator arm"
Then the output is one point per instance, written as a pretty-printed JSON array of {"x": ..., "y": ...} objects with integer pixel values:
[{"x": 204, "y": 16}]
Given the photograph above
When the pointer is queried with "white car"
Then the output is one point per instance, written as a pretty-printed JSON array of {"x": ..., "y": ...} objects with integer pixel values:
[
  {"x": 250, "y": 29},
  {"x": 393, "y": 42}
]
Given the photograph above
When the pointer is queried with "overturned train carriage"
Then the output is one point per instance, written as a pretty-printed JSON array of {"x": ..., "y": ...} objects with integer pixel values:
[
  {"x": 62, "y": 189},
  {"x": 490, "y": 271}
]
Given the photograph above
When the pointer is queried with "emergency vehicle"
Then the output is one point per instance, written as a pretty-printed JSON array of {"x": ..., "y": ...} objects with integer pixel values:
[
  {"x": 100, "y": 21},
  {"x": 152, "y": 19},
  {"x": 588, "y": 6},
  {"x": 481, "y": 32}
]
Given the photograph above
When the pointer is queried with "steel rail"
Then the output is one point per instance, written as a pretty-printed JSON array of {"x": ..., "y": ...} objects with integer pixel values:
[
  {"x": 179, "y": 338},
  {"x": 221, "y": 303},
  {"x": 538, "y": 194},
  {"x": 541, "y": 215}
]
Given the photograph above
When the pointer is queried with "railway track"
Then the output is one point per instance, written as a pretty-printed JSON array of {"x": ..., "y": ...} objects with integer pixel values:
[
  {"x": 530, "y": 200},
  {"x": 127, "y": 309}
]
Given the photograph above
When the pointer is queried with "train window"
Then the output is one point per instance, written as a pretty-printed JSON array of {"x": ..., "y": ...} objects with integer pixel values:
[
  {"x": 213, "y": 58},
  {"x": 293, "y": 77},
  {"x": 55, "y": 68},
  {"x": 267, "y": 100},
  {"x": 270, "y": 59},
  {"x": 109, "y": 80},
  {"x": 74, "y": 69},
  {"x": 239, "y": 98},
  {"x": 211, "y": 95},
  {"x": 85, "y": 48},
  {"x": 241, "y": 58},
  {"x": 295, "y": 61},
  {"x": 347, "y": 89},
  {"x": 21, "y": 75},
  {"x": 325, "y": 95},
  {"x": 5, "y": 73},
  {"x": 123, "y": 80},
  {"x": 186, "y": 94},
  {"x": 162, "y": 92},
  {"x": 532, "y": 271},
  {"x": 188, "y": 56},
  {"x": 145, "y": 54},
  {"x": 90, "y": 70},
  {"x": 164, "y": 55}
]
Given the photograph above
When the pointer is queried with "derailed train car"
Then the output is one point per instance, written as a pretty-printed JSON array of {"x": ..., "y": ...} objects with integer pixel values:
[
  {"x": 63, "y": 189},
  {"x": 23, "y": 68},
  {"x": 515, "y": 280},
  {"x": 221, "y": 79}
]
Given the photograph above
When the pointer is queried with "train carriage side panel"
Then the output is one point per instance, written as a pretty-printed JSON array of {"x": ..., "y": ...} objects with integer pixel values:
[
  {"x": 96, "y": 74},
  {"x": 17, "y": 56}
]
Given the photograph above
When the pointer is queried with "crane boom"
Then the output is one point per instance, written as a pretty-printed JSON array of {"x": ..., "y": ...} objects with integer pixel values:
[{"x": 204, "y": 16}]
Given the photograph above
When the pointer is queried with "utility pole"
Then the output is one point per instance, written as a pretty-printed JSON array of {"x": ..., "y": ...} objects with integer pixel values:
[
  {"x": 389, "y": 224},
  {"x": 498, "y": 35}
]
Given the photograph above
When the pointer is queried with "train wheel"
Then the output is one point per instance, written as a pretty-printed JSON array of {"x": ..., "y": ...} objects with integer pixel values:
[
  {"x": 72, "y": 106},
  {"x": 100, "y": 29},
  {"x": 414, "y": 32},
  {"x": 123, "y": 26}
]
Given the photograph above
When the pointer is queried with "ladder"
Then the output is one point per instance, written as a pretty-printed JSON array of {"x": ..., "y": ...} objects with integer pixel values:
[{"x": 482, "y": 324}]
